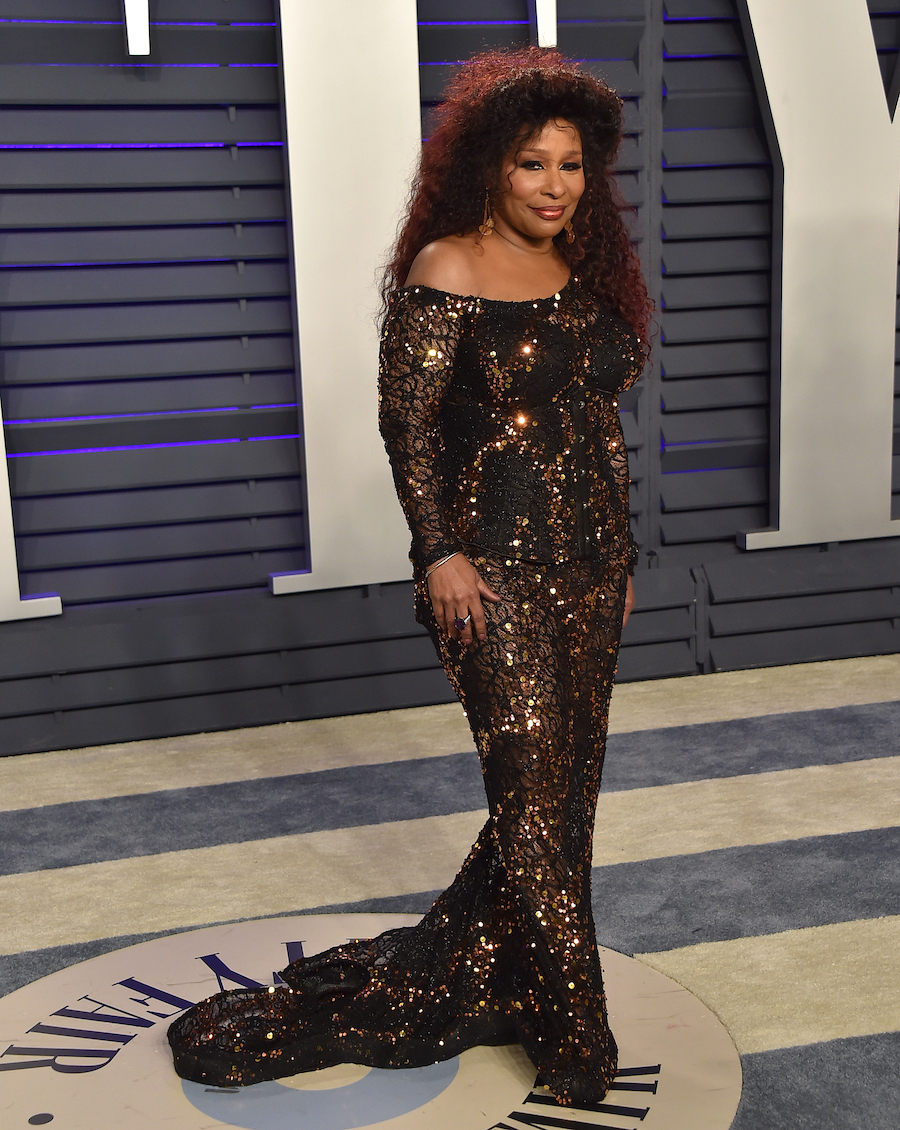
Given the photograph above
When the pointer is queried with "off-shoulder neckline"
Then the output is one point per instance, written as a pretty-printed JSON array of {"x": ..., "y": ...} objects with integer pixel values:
[{"x": 495, "y": 301}]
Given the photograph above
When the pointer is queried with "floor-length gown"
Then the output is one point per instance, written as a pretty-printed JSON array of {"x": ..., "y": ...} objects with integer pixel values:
[{"x": 502, "y": 426}]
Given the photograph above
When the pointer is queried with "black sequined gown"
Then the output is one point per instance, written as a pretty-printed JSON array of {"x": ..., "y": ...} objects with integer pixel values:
[{"x": 502, "y": 426}]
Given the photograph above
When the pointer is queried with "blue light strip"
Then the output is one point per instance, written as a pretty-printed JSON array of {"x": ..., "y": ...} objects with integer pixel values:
[
  {"x": 153, "y": 145},
  {"x": 111, "y": 264},
  {"x": 67, "y": 23},
  {"x": 123, "y": 447},
  {"x": 167, "y": 66},
  {"x": 118, "y": 23},
  {"x": 147, "y": 415},
  {"x": 147, "y": 446},
  {"x": 474, "y": 23}
]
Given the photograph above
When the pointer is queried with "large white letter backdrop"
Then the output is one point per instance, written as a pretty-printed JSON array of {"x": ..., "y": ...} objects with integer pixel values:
[
  {"x": 352, "y": 131},
  {"x": 351, "y": 89},
  {"x": 834, "y": 301}
]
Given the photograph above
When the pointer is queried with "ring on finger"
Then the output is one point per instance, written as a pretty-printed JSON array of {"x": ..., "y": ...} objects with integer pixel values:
[{"x": 460, "y": 623}]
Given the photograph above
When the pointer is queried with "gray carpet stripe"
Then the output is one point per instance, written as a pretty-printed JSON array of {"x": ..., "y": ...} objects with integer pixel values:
[
  {"x": 92, "y": 831},
  {"x": 739, "y": 892},
  {"x": 849, "y": 1084},
  {"x": 751, "y": 745},
  {"x": 657, "y": 904}
]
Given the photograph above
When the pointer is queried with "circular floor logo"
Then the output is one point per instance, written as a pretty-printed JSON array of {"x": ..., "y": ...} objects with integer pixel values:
[{"x": 85, "y": 1049}]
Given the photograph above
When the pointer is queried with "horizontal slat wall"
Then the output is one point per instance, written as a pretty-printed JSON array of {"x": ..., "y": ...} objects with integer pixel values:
[
  {"x": 214, "y": 662},
  {"x": 164, "y": 182},
  {"x": 145, "y": 315},
  {"x": 715, "y": 288},
  {"x": 803, "y": 605}
]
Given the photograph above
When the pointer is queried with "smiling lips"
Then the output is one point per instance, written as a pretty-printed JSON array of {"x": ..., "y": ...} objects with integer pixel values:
[{"x": 549, "y": 213}]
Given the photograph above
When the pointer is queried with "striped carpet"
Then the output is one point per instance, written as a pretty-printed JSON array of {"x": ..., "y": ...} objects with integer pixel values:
[{"x": 748, "y": 845}]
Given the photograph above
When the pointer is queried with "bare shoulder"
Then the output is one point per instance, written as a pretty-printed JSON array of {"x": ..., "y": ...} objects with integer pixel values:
[{"x": 449, "y": 264}]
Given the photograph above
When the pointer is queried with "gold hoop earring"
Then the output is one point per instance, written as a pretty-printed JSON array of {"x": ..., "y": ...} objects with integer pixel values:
[
  {"x": 487, "y": 224},
  {"x": 570, "y": 234}
]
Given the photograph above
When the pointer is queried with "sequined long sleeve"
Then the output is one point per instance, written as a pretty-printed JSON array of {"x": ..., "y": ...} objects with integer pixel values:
[
  {"x": 418, "y": 344},
  {"x": 618, "y": 459}
]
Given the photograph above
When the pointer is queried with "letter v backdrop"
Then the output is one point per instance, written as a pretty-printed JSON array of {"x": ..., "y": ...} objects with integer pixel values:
[{"x": 150, "y": 374}]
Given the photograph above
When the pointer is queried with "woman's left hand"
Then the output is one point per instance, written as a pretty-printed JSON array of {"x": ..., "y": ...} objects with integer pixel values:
[{"x": 629, "y": 601}]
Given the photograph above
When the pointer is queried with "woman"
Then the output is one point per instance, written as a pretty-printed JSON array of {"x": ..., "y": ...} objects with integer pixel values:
[{"x": 499, "y": 373}]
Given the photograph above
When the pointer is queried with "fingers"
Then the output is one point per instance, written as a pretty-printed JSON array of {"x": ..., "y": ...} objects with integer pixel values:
[
  {"x": 487, "y": 592},
  {"x": 455, "y": 589}
]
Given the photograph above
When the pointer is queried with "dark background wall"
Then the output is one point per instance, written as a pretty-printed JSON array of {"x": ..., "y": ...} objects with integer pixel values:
[{"x": 148, "y": 374}]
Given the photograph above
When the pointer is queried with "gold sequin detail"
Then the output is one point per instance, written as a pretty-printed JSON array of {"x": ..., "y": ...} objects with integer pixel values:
[{"x": 502, "y": 427}]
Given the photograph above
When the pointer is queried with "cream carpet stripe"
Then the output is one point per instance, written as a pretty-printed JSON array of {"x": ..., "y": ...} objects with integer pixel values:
[
  {"x": 274, "y": 876},
  {"x": 758, "y": 808},
  {"x": 131, "y": 768},
  {"x": 798, "y": 987},
  {"x": 36, "y": 779},
  {"x": 257, "y": 879}
]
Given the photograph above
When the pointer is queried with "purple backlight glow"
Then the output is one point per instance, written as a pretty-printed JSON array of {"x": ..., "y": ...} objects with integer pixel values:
[
  {"x": 474, "y": 23},
  {"x": 76, "y": 23},
  {"x": 155, "y": 66},
  {"x": 156, "y": 145},
  {"x": 118, "y": 23},
  {"x": 121, "y": 447},
  {"x": 146, "y": 446},
  {"x": 147, "y": 415}
]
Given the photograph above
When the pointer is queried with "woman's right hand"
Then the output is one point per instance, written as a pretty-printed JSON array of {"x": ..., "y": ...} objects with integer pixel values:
[{"x": 457, "y": 590}]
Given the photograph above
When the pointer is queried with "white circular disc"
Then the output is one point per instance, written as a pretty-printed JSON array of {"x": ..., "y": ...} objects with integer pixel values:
[{"x": 85, "y": 1049}]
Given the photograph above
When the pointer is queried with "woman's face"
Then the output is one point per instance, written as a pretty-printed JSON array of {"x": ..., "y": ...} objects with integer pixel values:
[{"x": 545, "y": 180}]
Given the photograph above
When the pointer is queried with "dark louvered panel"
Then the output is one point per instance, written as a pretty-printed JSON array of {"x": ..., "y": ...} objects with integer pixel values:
[
  {"x": 286, "y": 668},
  {"x": 145, "y": 466},
  {"x": 38, "y": 127},
  {"x": 146, "y": 429},
  {"x": 140, "y": 284},
  {"x": 185, "y": 394},
  {"x": 886, "y": 31},
  {"x": 167, "y": 11},
  {"x": 444, "y": 41},
  {"x": 136, "y": 168},
  {"x": 716, "y": 289},
  {"x": 120, "y": 581},
  {"x": 231, "y": 242},
  {"x": 145, "y": 314},
  {"x": 183, "y": 540},
  {"x": 123, "y": 84},
  {"x": 659, "y": 640},
  {"x": 145, "y": 633},
  {"x": 99, "y": 44},
  {"x": 152, "y": 359},
  {"x": 253, "y": 498},
  {"x": 225, "y": 710},
  {"x": 803, "y": 605},
  {"x": 746, "y": 486},
  {"x": 230, "y": 659},
  {"x": 450, "y": 33},
  {"x": 76, "y": 325},
  {"x": 231, "y": 205},
  {"x": 607, "y": 40}
]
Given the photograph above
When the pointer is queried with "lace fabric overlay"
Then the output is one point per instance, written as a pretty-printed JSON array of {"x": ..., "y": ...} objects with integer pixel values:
[
  {"x": 508, "y": 953},
  {"x": 502, "y": 428},
  {"x": 502, "y": 424}
]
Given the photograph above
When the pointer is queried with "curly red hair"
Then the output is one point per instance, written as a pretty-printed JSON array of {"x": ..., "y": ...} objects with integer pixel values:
[{"x": 496, "y": 102}]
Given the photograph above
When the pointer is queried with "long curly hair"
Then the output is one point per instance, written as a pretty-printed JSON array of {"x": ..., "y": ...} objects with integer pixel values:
[{"x": 496, "y": 102}]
